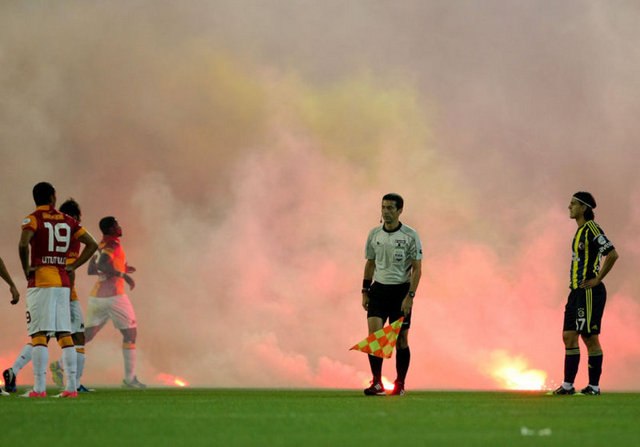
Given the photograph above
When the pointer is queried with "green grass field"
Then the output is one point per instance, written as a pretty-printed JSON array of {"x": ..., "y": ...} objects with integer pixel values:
[{"x": 246, "y": 417}]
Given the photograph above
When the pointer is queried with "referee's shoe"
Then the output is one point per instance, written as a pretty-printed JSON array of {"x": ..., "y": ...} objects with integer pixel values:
[
  {"x": 376, "y": 389},
  {"x": 398, "y": 389}
]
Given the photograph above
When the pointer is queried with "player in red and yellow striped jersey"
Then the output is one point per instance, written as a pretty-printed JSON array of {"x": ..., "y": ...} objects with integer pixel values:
[
  {"x": 44, "y": 248},
  {"x": 108, "y": 299},
  {"x": 71, "y": 208}
]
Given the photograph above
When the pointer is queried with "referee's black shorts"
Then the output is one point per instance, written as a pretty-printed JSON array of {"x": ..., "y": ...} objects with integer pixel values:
[
  {"x": 385, "y": 301},
  {"x": 584, "y": 309}
]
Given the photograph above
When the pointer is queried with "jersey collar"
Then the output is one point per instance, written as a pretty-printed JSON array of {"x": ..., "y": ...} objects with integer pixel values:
[
  {"x": 45, "y": 208},
  {"x": 392, "y": 231}
]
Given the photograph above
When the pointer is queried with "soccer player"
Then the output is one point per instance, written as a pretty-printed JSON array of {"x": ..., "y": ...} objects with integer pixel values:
[
  {"x": 585, "y": 305},
  {"x": 15, "y": 297},
  {"x": 108, "y": 299},
  {"x": 44, "y": 247},
  {"x": 71, "y": 208},
  {"x": 391, "y": 276}
]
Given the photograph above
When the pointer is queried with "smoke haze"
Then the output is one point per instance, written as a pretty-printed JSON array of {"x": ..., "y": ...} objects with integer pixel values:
[{"x": 244, "y": 146}]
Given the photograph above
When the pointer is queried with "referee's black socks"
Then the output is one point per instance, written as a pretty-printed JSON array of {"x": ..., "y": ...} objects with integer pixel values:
[
  {"x": 403, "y": 357},
  {"x": 376, "y": 367}
]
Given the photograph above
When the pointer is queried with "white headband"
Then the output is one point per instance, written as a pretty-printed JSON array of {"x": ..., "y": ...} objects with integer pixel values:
[{"x": 583, "y": 202}]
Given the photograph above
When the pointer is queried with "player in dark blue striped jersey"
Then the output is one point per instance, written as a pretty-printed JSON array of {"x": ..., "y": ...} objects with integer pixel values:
[{"x": 585, "y": 305}]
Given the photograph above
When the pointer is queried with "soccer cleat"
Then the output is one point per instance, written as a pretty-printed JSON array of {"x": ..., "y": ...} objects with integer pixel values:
[
  {"x": 376, "y": 389},
  {"x": 4, "y": 393},
  {"x": 563, "y": 391},
  {"x": 588, "y": 391},
  {"x": 84, "y": 389},
  {"x": 67, "y": 394},
  {"x": 9, "y": 380},
  {"x": 398, "y": 389},
  {"x": 56, "y": 373},
  {"x": 32, "y": 393},
  {"x": 135, "y": 383}
]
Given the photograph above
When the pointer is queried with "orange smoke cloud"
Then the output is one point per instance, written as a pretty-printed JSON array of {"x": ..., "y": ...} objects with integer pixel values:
[{"x": 249, "y": 168}]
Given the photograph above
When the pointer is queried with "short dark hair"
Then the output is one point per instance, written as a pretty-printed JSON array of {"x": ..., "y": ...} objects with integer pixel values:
[
  {"x": 396, "y": 198},
  {"x": 106, "y": 223},
  {"x": 71, "y": 208},
  {"x": 42, "y": 193}
]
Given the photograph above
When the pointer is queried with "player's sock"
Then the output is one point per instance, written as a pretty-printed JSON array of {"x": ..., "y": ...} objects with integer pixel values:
[
  {"x": 129, "y": 354},
  {"x": 403, "y": 357},
  {"x": 40, "y": 359},
  {"x": 80, "y": 359},
  {"x": 68, "y": 360},
  {"x": 376, "y": 367},
  {"x": 571, "y": 363},
  {"x": 23, "y": 358},
  {"x": 595, "y": 368},
  {"x": 69, "y": 366}
]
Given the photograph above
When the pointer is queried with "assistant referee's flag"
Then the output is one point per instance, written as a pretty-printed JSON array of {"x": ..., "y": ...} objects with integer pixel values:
[{"x": 381, "y": 342}]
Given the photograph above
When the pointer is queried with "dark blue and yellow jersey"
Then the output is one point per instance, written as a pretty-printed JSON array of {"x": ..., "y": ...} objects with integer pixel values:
[{"x": 589, "y": 245}]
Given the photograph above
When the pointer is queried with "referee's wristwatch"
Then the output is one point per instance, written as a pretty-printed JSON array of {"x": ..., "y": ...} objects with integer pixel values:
[{"x": 412, "y": 294}]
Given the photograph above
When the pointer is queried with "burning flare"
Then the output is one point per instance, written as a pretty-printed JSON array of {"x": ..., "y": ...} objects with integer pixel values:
[
  {"x": 512, "y": 373},
  {"x": 168, "y": 379}
]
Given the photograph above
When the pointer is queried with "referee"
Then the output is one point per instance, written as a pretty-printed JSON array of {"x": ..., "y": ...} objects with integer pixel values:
[
  {"x": 391, "y": 276},
  {"x": 585, "y": 305}
]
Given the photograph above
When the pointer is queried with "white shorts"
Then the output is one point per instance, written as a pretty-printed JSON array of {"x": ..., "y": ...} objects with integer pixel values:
[
  {"x": 48, "y": 310},
  {"x": 117, "y": 308},
  {"x": 77, "y": 320}
]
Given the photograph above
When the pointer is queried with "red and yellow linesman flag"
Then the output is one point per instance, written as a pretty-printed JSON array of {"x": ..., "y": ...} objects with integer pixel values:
[{"x": 381, "y": 342}]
